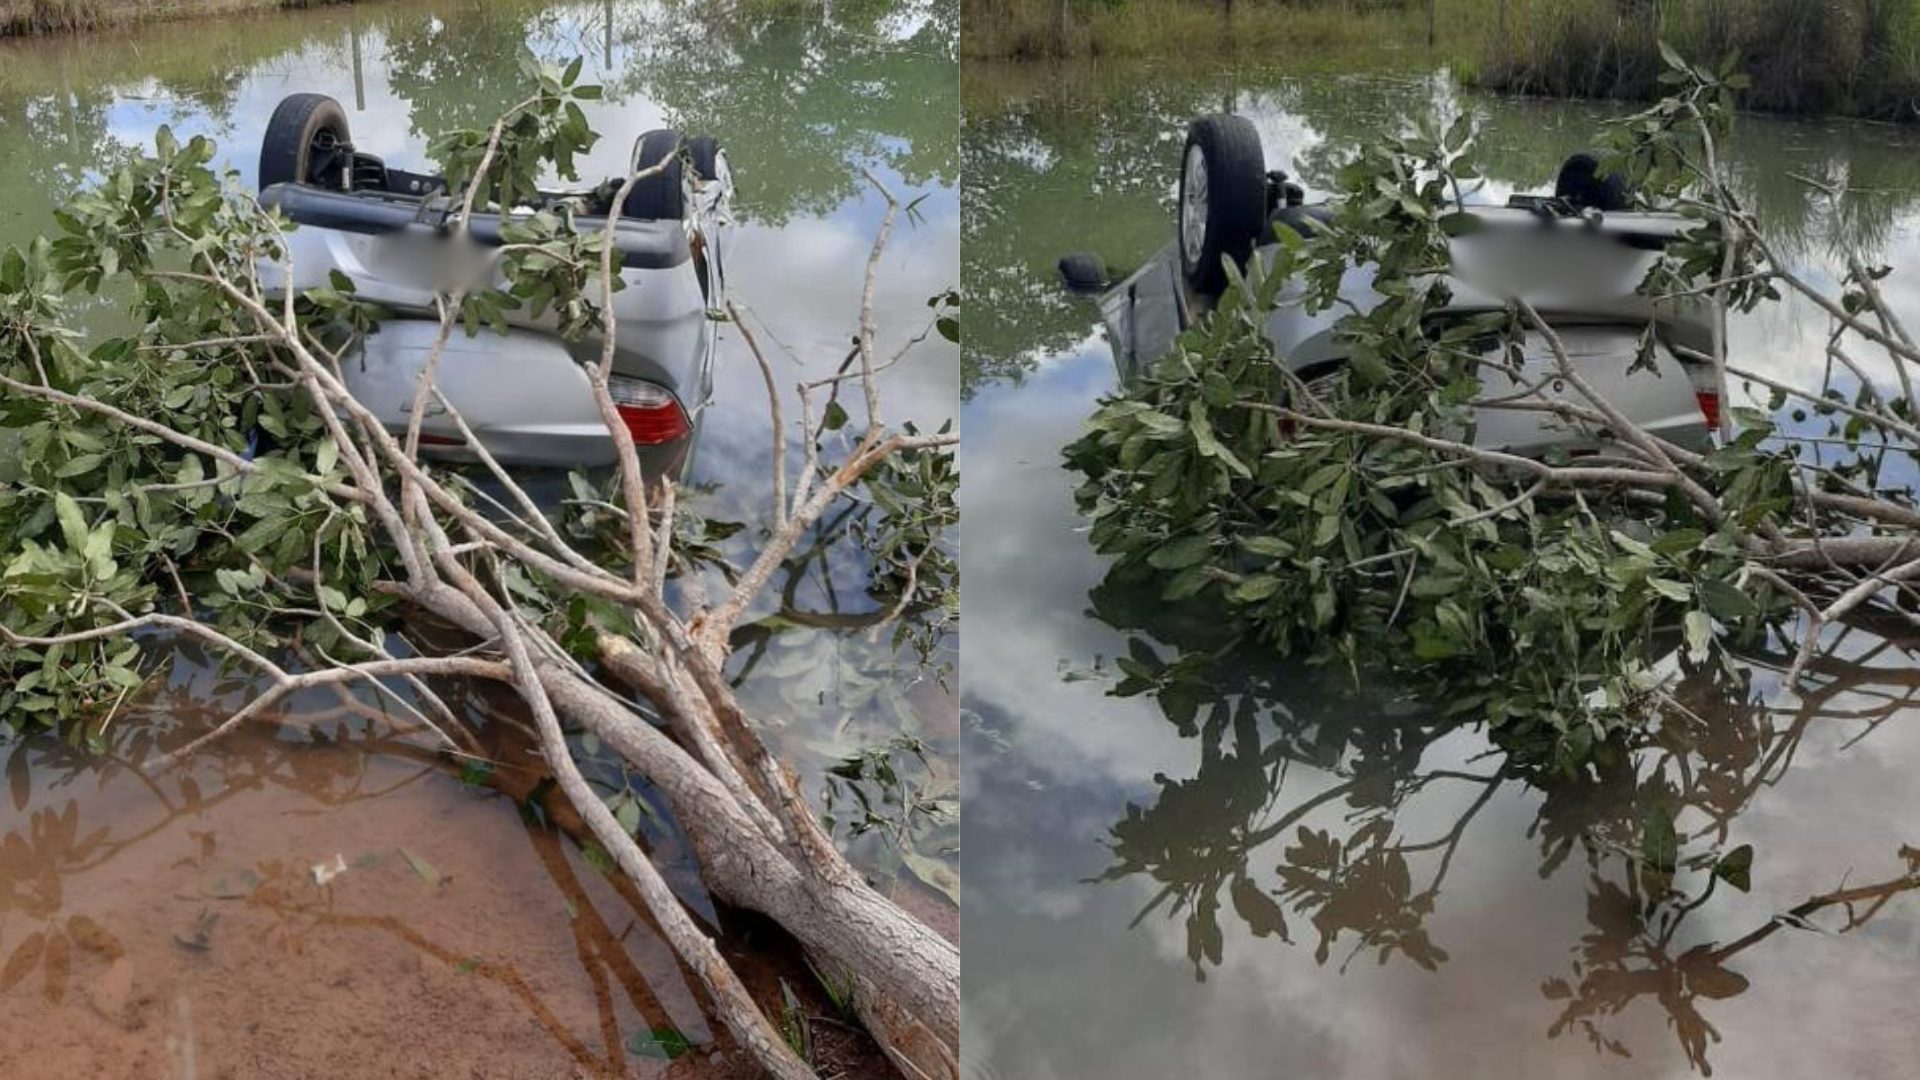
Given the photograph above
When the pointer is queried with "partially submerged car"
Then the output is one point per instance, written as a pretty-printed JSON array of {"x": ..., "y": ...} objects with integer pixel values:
[
  {"x": 1579, "y": 257},
  {"x": 523, "y": 393}
]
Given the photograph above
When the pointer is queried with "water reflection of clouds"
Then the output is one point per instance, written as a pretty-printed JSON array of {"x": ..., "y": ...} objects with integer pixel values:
[
  {"x": 1028, "y": 571},
  {"x": 1058, "y": 986}
]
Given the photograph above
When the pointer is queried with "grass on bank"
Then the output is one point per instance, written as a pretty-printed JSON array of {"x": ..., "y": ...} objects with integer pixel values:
[
  {"x": 1850, "y": 57},
  {"x": 1853, "y": 57},
  {"x": 21, "y": 18},
  {"x": 1041, "y": 29}
]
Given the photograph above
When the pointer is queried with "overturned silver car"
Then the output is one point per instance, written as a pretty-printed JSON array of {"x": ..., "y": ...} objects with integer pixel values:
[
  {"x": 524, "y": 393},
  {"x": 1578, "y": 257}
]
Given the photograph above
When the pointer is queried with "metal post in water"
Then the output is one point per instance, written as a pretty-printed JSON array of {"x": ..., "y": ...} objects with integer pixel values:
[{"x": 359, "y": 83}]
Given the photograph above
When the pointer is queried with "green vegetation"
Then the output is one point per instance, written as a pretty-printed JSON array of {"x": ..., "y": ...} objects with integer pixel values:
[
  {"x": 19, "y": 18},
  {"x": 1852, "y": 57},
  {"x": 1855, "y": 57},
  {"x": 1337, "y": 525},
  {"x": 144, "y": 511},
  {"x": 1032, "y": 29}
]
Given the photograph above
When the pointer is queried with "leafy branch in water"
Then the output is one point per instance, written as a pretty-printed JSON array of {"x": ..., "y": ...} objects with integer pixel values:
[
  {"x": 1353, "y": 519},
  {"x": 204, "y": 476}
]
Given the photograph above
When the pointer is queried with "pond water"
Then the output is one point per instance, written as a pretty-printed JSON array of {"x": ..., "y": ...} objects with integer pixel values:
[
  {"x": 1299, "y": 877},
  {"x": 126, "y": 946}
]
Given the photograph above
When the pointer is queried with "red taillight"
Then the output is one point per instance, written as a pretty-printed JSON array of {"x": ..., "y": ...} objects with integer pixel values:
[
  {"x": 1709, "y": 407},
  {"x": 650, "y": 411},
  {"x": 1706, "y": 391}
]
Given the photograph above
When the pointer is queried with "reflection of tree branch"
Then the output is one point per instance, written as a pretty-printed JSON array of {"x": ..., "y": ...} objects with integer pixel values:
[
  {"x": 1721, "y": 746},
  {"x": 1879, "y": 894},
  {"x": 503, "y": 974},
  {"x": 1619, "y": 963}
]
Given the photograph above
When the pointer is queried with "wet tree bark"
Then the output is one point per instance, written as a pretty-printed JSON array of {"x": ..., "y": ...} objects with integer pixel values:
[{"x": 905, "y": 976}]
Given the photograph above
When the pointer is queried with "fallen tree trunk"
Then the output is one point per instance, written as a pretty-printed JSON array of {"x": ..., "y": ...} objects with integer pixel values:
[
  {"x": 311, "y": 540},
  {"x": 906, "y": 977}
]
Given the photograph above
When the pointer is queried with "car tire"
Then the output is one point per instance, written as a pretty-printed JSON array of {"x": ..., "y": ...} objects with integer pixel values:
[
  {"x": 662, "y": 196},
  {"x": 300, "y": 135},
  {"x": 1083, "y": 271},
  {"x": 1223, "y": 198},
  {"x": 703, "y": 152}
]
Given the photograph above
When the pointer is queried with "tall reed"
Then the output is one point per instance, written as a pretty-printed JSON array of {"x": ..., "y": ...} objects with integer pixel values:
[{"x": 1858, "y": 57}]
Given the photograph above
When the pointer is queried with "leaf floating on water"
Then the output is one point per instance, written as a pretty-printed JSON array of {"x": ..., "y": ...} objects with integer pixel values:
[
  {"x": 934, "y": 873},
  {"x": 664, "y": 1044},
  {"x": 598, "y": 857},
  {"x": 628, "y": 814},
  {"x": 422, "y": 867},
  {"x": 476, "y": 774}
]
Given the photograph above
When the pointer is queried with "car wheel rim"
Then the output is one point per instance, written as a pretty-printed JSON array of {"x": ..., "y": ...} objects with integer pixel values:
[{"x": 1193, "y": 206}]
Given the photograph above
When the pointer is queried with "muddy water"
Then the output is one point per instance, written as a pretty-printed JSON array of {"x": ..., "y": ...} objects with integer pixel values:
[
  {"x": 167, "y": 923},
  {"x": 172, "y": 922},
  {"x": 1298, "y": 876}
]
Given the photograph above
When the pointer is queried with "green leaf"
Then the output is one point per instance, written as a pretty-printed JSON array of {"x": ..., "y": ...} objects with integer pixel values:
[
  {"x": 1181, "y": 553},
  {"x": 1255, "y": 589},
  {"x": 628, "y": 815},
  {"x": 1678, "y": 542},
  {"x": 422, "y": 867},
  {"x": 1676, "y": 591},
  {"x": 1726, "y": 602},
  {"x": 1326, "y": 530},
  {"x": 1699, "y": 630},
  {"x": 1271, "y": 546},
  {"x": 836, "y": 417},
  {"x": 73, "y": 524},
  {"x": 661, "y": 1043},
  {"x": 79, "y": 466}
]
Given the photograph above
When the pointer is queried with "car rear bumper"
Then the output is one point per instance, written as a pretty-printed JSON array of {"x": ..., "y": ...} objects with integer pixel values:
[{"x": 522, "y": 394}]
